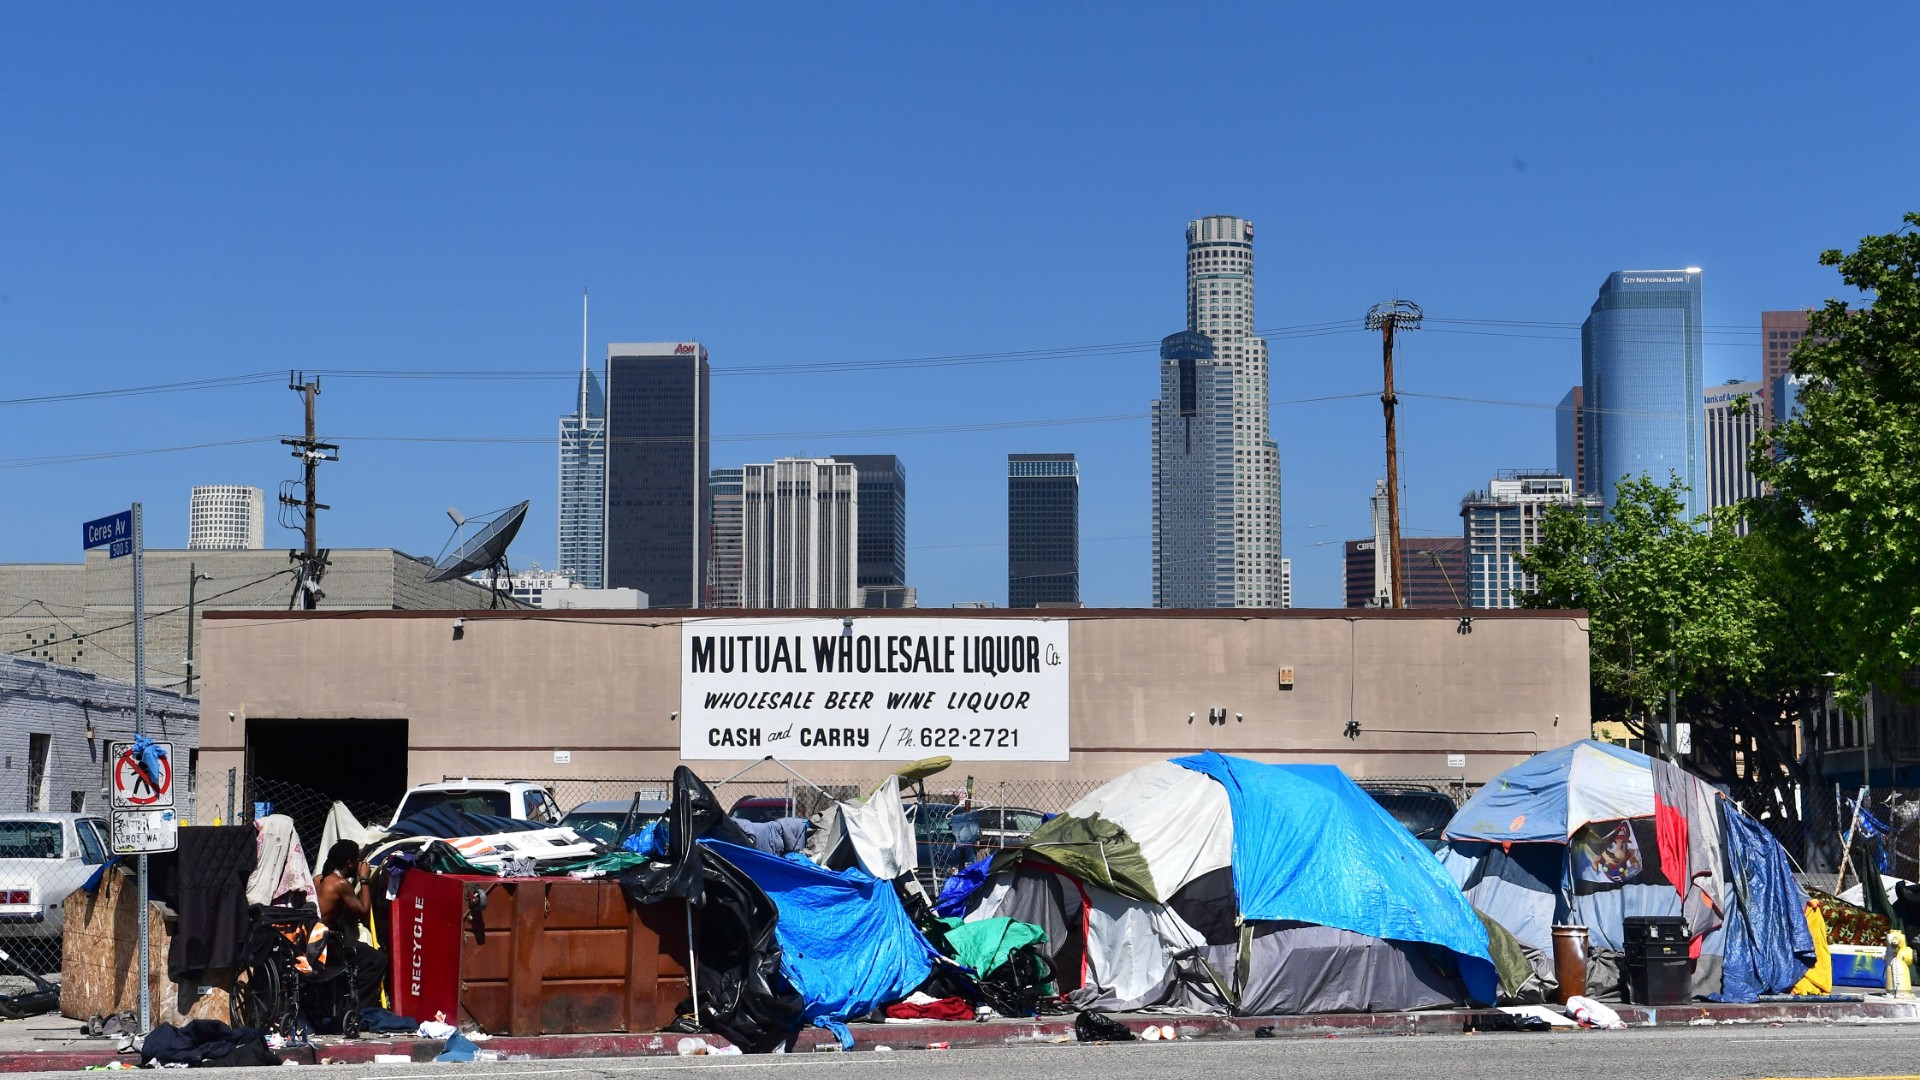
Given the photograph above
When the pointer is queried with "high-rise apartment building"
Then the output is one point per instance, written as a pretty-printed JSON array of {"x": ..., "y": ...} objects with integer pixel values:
[
  {"x": 1043, "y": 530},
  {"x": 1735, "y": 414},
  {"x": 1779, "y": 332},
  {"x": 583, "y": 479},
  {"x": 725, "y": 538},
  {"x": 883, "y": 519},
  {"x": 1641, "y": 370},
  {"x": 1435, "y": 569},
  {"x": 1503, "y": 522},
  {"x": 226, "y": 517},
  {"x": 1216, "y": 469},
  {"x": 1570, "y": 439},
  {"x": 799, "y": 525},
  {"x": 657, "y": 474}
]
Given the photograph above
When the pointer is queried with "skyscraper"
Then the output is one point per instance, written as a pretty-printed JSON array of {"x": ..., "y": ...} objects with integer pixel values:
[
  {"x": 1729, "y": 438},
  {"x": 1043, "y": 529},
  {"x": 1640, "y": 360},
  {"x": 799, "y": 525},
  {"x": 226, "y": 517},
  {"x": 724, "y": 537},
  {"x": 1570, "y": 438},
  {"x": 1779, "y": 331},
  {"x": 1503, "y": 522},
  {"x": 883, "y": 519},
  {"x": 1377, "y": 508},
  {"x": 1435, "y": 569},
  {"x": 583, "y": 477},
  {"x": 657, "y": 432},
  {"x": 1286, "y": 583},
  {"x": 1216, "y": 470}
]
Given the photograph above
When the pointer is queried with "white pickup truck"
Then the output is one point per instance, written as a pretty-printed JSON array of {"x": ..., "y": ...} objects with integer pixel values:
[{"x": 521, "y": 799}]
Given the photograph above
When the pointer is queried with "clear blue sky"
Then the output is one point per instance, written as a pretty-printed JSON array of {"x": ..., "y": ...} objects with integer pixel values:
[{"x": 199, "y": 191}]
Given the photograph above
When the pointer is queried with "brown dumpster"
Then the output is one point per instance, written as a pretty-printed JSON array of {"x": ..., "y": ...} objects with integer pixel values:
[{"x": 535, "y": 956}]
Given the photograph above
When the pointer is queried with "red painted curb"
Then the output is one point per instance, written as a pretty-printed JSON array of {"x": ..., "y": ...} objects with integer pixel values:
[{"x": 1052, "y": 1029}]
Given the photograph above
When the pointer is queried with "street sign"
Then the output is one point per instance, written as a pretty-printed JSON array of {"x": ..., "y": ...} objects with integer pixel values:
[
  {"x": 143, "y": 832},
  {"x": 113, "y": 532},
  {"x": 131, "y": 787}
]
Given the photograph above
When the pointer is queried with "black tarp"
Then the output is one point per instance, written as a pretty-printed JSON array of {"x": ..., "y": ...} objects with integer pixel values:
[
  {"x": 447, "y": 823},
  {"x": 742, "y": 993}
]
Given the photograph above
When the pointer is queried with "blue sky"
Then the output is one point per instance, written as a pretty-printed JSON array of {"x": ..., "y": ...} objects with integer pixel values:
[{"x": 202, "y": 191}]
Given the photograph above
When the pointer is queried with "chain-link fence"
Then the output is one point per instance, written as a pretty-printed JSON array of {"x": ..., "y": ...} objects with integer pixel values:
[
  {"x": 307, "y": 807},
  {"x": 1833, "y": 842},
  {"x": 43, "y": 859}
]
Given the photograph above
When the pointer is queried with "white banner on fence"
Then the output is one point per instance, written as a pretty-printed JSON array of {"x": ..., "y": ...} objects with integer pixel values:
[{"x": 889, "y": 688}]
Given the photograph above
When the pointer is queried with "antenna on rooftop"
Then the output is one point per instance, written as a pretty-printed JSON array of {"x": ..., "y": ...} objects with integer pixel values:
[{"x": 484, "y": 549}]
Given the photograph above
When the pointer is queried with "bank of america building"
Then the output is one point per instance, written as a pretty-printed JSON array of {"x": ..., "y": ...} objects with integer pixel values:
[{"x": 1641, "y": 371}]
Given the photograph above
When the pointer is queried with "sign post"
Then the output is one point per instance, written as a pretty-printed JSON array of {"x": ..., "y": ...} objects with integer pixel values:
[{"x": 120, "y": 535}]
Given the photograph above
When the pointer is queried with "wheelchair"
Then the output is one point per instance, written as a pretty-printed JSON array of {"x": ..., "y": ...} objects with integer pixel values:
[{"x": 288, "y": 984}]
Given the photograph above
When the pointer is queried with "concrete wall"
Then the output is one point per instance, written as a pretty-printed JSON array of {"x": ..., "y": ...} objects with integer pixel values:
[
  {"x": 45, "y": 699},
  {"x": 83, "y": 614},
  {"x": 511, "y": 688}
]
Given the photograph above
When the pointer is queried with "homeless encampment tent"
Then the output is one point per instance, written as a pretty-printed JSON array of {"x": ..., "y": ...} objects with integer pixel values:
[
  {"x": 1218, "y": 883},
  {"x": 1593, "y": 833}
]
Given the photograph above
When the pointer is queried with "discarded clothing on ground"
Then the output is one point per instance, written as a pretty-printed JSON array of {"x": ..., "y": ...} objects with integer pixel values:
[
  {"x": 206, "y": 1043},
  {"x": 951, "y": 1008}
]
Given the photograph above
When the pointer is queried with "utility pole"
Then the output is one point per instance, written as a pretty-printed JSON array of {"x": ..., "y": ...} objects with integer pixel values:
[
  {"x": 1386, "y": 317},
  {"x": 311, "y": 452},
  {"x": 194, "y": 578}
]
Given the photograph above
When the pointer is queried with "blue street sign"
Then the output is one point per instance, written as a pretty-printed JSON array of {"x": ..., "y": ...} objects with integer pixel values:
[{"x": 114, "y": 530}]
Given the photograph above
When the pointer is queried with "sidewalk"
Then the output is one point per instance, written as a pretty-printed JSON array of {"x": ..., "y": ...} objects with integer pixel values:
[{"x": 53, "y": 1043}]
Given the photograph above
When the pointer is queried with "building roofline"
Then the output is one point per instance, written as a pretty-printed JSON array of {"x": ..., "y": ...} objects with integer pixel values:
[{"x": 665, "y": 615}]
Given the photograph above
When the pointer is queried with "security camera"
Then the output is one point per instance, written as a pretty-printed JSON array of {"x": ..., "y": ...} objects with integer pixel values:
[
  {"x": 231, "y": 716},
  {"x": 673, "y": 716}
]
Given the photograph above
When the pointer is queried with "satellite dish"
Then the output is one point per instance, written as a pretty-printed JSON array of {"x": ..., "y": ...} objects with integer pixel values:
[{"x": 484, "y": 550}]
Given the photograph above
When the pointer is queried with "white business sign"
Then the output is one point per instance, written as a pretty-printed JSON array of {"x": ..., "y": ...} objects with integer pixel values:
[{"x": 887, "y": 688}]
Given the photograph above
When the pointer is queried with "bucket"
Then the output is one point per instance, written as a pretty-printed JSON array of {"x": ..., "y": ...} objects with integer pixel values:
[{"x": 1570, "y": 960}]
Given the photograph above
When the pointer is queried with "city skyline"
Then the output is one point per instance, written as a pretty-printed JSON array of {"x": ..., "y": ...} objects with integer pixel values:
[{"x": 415, "y": 234}]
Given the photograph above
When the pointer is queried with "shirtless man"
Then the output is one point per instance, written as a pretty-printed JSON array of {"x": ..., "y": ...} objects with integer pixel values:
[{"x": 344, "y": 898}]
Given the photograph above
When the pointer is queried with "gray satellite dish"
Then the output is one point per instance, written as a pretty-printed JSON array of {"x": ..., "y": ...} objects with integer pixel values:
[{"x": 484, "y": 550}]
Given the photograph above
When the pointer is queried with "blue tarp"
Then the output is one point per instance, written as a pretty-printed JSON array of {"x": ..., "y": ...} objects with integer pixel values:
[
  {"x": 1529, "y": 801},
  {"x": 952, "y": 903},
  {"x": 1768, "y": 945},
  {"x": 846, "y": 943},
  {"x": 1310, "y": 846}
]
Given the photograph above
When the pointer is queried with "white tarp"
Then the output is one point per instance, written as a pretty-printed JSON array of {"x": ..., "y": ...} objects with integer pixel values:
[
  {"x": 1602, "y": 787},
  {"x": 1181, "y": 819},
  {"x": 882, "y": 837}
]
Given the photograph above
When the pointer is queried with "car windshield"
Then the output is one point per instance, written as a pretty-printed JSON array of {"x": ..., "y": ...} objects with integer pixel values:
[
  {"x": 29, "y": 840},
  {"x": 603, "y": 826},
  {"x": 465, "y": 801},
  {"x": 761, "y": 809},
  {"x": 1423, "y": 813}
]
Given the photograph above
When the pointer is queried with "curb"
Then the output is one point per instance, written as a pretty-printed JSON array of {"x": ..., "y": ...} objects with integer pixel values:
[{"x": 1049, "y": 1030}]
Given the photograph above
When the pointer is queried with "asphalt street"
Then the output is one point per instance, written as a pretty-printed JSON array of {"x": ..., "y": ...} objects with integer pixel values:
[{"x": 1791, "y": 1050}]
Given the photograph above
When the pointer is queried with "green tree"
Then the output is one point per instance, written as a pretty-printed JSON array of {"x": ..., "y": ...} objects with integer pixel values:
[
  {"x": 1844, "y": 512},
  {"x": 1672, "y": 606}
]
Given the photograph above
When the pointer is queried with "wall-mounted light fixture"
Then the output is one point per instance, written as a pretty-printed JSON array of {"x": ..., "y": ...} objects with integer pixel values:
[
  {"x": 1352, "y": 730},
  {"x": 459, "y": 629}
]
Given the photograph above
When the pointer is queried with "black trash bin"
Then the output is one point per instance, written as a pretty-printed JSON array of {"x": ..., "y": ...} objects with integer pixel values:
[{"x": 1659, "y": 971}]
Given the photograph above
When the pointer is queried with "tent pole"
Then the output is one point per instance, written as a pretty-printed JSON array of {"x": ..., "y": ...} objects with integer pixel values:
[{"x": 693, "y": 967}]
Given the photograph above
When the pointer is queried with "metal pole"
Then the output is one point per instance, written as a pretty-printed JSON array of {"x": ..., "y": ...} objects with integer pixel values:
[
  {"x": 230, "y": 780},
  {"x": 1672, "y": 739},
  {"x": 1387, "y": 401},
  {"x": 192, "y": 580},
  {"x": 140, "y": 729}
]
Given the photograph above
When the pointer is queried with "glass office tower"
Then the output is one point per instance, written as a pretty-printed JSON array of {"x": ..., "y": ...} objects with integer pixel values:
[
  {"x": 657, "y": 472},
  {"x": 1043, "y": 530},
  {"x": 1641, "y": 375}
]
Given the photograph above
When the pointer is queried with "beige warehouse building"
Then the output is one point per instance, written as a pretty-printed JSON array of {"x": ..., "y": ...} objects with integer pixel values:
[{"x": 362, "y": 704}]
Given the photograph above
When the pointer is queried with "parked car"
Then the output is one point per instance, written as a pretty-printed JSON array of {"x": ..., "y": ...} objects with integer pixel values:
[
  {"x": 521, "y": 799},
  {"x": 998, "y": 826},
  {"x": 602, "y": 819},
  {"x": 762, "y": 808},
  {"x": 43, "y": 857},
  {"x": 1423, "y": 811}
]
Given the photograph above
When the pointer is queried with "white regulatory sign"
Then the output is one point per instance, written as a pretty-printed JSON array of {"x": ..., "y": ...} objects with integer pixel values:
[
  {"x": 889, "y": 688},
  {"x": 143, "y": 832},
  {"x": 133, "y": 785}
]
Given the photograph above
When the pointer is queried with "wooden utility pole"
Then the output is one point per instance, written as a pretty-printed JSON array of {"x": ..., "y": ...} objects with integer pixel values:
[
  {"x": 311, "y": 452},
  {"x": 1386, "y": 317}
]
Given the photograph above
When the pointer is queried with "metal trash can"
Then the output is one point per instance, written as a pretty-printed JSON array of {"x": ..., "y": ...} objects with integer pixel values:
[{"x": 1658, "y": 969}]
